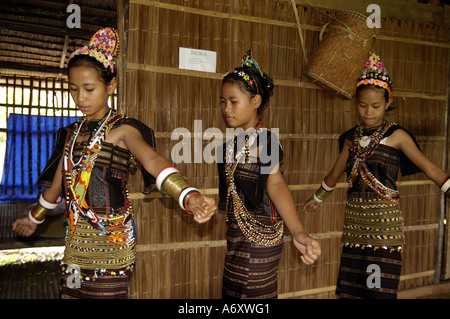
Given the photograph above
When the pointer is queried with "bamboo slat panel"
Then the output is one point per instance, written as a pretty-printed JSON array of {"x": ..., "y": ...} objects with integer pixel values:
[{"x": 177, "y": 258}]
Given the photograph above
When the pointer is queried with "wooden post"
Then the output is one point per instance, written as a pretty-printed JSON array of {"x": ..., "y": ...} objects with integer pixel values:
[
  {"x": 122, "y": 28},
  {"x": 443, "y": 258}
]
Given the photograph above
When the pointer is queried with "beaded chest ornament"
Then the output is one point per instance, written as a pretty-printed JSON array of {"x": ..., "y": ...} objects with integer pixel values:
[
  {"x": 77, "y": 175},
  {"x": 361, "y": 150},
  {"x": 255, "y": 231}
]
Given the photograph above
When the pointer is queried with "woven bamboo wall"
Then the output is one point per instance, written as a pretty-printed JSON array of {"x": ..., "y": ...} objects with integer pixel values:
[{"x": 178, "y": 258}]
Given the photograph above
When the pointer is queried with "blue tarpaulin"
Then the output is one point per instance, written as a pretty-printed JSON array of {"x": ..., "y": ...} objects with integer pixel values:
[{"x": 30, "y": 142}]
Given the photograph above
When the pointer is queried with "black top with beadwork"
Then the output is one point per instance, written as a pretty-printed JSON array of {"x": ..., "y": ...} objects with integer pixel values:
[
  {"x": 384, "y": 163},
  {"x": 114, "y": 172},
  {"x": 251, "y": 178}
]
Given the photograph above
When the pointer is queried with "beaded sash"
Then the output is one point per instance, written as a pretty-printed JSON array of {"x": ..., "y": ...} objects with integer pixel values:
[
  {"x": 255, "y": 231},
  {"x": 77, "y": 176},
  {"x": 375, "y": 223},
  {"x": 361, "y": 153}
]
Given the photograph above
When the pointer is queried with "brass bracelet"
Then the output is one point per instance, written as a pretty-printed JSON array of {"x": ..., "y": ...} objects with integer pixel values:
[
  {"x": 172, "y": 183},
  {"x": 323, "y": 192},
  {"x": 162, "y": 177},
  {"x": 39, "y": 212}
]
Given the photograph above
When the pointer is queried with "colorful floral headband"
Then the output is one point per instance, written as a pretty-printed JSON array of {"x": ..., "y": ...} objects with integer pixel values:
[
  {"x": 102, "y": 46},
  {"x": 247, "y": 61},
  {"x": 374, "y": 72}
]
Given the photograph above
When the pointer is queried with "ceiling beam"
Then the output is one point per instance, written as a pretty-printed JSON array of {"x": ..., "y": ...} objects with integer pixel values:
[{"x": 6, "y": 67}]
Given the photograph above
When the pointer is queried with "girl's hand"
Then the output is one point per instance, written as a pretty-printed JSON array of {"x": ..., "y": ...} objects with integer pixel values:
[
  {"x": 308, "y": 247},
  {"x": 24, "y": 227},
  {"x": 203, "y": 207},
  {"x": 310, "y": 205}
]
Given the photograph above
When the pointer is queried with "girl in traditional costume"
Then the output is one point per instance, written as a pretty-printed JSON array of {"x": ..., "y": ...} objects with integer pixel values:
[
  {"x": 89, "y": 166},
  {"x": 252, "y": 190},
  {"x": 372, "y": 154}
]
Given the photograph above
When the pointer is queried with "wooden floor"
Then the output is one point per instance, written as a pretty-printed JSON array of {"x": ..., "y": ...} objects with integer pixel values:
[
  {"x": 33, "y": 280},
  {"x": 440, "y": 291}
]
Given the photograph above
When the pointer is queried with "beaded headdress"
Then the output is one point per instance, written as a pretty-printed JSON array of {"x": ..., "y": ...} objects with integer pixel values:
[
  {"x": 374, "y": 72},
  {"x": 102, "y": 46},
  {"x": 246, "y": 61}
]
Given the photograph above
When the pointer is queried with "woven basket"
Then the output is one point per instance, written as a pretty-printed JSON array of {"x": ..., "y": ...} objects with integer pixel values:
[{"x": 338, "y": 60}]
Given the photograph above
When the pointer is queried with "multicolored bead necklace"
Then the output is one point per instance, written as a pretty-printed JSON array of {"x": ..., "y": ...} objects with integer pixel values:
[
  {"x": 255, "y": 231},
  {"x": 77, "y": 175},
  {"x": 249, "y": 139},
  {"x": 361, "y": 153}
]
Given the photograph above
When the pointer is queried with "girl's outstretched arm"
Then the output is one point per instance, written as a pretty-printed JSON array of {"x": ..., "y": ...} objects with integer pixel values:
[
  {"x": 203, "y": 207},
  {"x": 281, "y": 197},
  {"x": 24, "y": 226},
  {"x": 402, "y": 140}
]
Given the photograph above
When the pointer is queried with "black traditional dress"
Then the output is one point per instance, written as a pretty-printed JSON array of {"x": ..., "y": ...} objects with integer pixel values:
[
  {"x": 100, "y": 248},
  {"x": 255, "y": 229},
  {"x": 373, "y": 234}
]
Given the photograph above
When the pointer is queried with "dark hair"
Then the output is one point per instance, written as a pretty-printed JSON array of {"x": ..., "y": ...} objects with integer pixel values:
[
  {"x": 263, "y": 84},
  {"x": 104, "y": 74},
  {"x": 377, "y": 88}
]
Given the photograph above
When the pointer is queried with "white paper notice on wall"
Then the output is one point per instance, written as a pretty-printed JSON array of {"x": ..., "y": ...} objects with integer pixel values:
[{"x": 198, "y": 60}]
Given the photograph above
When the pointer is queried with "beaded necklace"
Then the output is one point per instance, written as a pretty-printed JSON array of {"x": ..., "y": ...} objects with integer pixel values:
[
  {"x": 362, "y": 151},
  {"x": 249, "y": 139},
  {"x": 77, "y": 175},
  {"x": 255, "y": 231}
]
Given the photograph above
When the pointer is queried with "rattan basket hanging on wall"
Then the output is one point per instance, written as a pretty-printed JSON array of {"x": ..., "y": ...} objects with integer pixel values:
[{"x": 338, "y": 60}]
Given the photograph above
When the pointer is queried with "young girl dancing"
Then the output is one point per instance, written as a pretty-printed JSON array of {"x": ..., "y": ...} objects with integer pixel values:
[
  {"x": 371, "y": 155},
  {"x": 252, "y": 190},
  {"x": 89, "y": 166}
]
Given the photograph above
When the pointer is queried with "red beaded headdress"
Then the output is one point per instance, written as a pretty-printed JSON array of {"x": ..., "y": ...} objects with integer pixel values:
[
  {"x": 102, "y": 46},
  {"x": 374, "y": 72}
]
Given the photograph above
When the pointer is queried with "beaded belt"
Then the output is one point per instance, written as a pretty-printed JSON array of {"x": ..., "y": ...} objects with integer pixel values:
[
  {"x": 376, "y": 223},
  {"x": 90, "y": 249}
]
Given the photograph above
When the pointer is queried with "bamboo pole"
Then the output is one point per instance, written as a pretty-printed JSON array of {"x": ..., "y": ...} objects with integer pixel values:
[
  {"x": 278, "y": 82},
  {"x": 297, "y": 187},
  {"x": 439, "y": 267},
  {"x": 122, "y": 26}
]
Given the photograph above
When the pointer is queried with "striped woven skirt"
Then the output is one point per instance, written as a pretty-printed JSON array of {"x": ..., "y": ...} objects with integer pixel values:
[
  {"x": 250, "y": 269},
  {"x": 369, "y": 273},
  {"x": 90, "y": 284}
]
